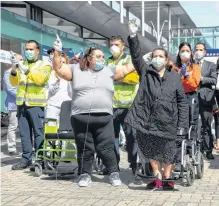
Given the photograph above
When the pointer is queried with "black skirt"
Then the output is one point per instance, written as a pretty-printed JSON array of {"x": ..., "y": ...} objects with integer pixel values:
[{"x": 156, "y": 148}]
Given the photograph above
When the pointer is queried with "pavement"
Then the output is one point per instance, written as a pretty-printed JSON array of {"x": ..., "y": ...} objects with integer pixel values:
[{"x": 23, "y": 188}]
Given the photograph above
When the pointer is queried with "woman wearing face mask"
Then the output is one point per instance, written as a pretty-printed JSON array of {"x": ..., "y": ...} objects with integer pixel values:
[
  {"x": 190, "y": 75},
  {"x": 159, "y": 110},
  {"x": 50, "y": 53},
  {"x": 59, "y": 90},
  {"x": 91, "y": 115}
]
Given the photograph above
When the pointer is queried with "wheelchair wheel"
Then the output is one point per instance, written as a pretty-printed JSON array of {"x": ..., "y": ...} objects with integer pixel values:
[
  {"x": 200, "y": 166},
  {"x": 190, "y": 174},
  {"x": 38, "y": 169}
]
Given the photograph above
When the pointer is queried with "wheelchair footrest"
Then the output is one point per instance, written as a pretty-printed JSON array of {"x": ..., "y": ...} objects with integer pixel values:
[{"x": 145, "y": 177}]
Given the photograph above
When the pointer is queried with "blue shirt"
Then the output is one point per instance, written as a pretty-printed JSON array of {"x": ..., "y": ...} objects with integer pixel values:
[{"x": 10, "y": 101}]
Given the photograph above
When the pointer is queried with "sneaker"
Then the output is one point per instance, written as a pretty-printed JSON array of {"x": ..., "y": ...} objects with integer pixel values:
[
  {"x": 114, "y": 179},
  {"x": 14, "y": 153},
  {"x": 20, "y": 166},
  {"x": 154, "y": 184},
  {"x": 84, "y": 180},
  {"x": 168, "y": 185}
]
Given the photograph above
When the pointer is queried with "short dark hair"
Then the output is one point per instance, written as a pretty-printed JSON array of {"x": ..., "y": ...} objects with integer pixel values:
[
  {"x": 178, "y": 58},
  {"x": 117, "y": 38},
  {"x": 50, "y": 51},
  {"x": 33, "y": 41},
  {"x": 161, "y": 49},
  {"x": 201, "y": 44}
]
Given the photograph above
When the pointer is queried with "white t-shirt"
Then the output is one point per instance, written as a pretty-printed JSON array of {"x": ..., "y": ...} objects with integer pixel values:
[{"x": 58, "y": 91}]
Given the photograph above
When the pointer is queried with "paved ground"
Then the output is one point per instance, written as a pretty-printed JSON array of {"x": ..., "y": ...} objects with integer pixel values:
[{"x": 23, "y": 188}]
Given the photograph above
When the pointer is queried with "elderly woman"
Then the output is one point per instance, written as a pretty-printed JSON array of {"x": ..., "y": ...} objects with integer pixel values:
[
  {"x": 91, "y": 115},
  {"x": 159, "y": 110}
]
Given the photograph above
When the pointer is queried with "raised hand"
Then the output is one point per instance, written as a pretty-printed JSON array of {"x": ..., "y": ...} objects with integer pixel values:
[
  {"x": 14, "y": 59},
  {"x": 133, "y": 27},
  {"x": 57, "y": 45}
]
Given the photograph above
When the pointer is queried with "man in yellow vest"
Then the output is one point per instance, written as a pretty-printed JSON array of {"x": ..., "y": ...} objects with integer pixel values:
[
  {"x": 124, "y": 94},
  {"x": 31, "y": 77}
]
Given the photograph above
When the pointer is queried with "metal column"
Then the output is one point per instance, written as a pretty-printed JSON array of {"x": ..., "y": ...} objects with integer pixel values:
[
  {"x": 169, "y": 28},
  {"x": 158, "y": 23},
  {"x": 178, "y": 31},
  {"x": 186, "y": 33},
  {"x": 213, "y": 38},
  {"x": 121, "y": 12},
  {"x": 127, "y": 13},
  {"x": 142, "y": 19}
]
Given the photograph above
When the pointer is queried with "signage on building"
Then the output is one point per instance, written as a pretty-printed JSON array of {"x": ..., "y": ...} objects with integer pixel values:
[
  {"x": 5, "y": 56},
  {"x": 212, "y": 52}
]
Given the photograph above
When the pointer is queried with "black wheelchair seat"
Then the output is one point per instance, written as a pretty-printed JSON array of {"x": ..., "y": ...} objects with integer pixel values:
[{"x": 68, "y": 135}]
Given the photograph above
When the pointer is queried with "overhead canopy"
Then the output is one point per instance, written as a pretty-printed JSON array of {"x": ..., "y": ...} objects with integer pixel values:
[
  {"x": 97, "y": 17},
  {"x": 151, "y": 14}
]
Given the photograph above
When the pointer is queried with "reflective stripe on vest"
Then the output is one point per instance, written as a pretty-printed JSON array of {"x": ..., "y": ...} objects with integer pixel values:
[
  {"x": 31, "y": 84},
  {"x": 31, "y": 100}
]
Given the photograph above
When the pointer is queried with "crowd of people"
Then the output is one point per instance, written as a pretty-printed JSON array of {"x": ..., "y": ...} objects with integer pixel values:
[{"x": 149, "y": 96}]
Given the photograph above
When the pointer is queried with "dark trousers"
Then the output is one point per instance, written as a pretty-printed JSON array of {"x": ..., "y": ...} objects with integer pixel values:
[
  {"x": 119, "y": 115},
  {"x": 30, "y": 118},
  {"x": 216, "y": 114},
  {"x": 206, "y": 118},
  {"x": 99, "y": 137}
]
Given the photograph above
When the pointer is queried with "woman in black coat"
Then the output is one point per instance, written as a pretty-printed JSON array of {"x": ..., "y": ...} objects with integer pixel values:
[{"x": 159, "y": 111}]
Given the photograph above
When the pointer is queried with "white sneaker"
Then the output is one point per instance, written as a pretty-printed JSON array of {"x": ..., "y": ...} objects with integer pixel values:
[
  {"x": 114, "y": 179},
  {"x": 84, "y": 180}
]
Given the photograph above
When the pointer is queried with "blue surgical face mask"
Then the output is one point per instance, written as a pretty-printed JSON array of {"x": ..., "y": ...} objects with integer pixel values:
[
  {"x": 51, "y": 57},
  {"x": 30, "y": 55},
  {"x": 99, "y": 65}
]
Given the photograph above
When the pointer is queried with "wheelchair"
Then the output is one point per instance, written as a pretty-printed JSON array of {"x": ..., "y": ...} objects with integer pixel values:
[
  {"x": 191, "y": 158},
  {"x": 48, "y": 158}
]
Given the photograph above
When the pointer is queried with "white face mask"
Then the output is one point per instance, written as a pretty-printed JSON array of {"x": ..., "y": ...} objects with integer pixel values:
[
  {"x": 115, "y": 50},
  {"x": 185, "y": 55},
  {"x": 158, "y": 63},
  {"x": 199, "y": 55}
]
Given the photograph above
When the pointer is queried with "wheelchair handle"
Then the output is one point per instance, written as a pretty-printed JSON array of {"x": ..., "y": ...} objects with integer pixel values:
[{"x": 192, "y": 110}]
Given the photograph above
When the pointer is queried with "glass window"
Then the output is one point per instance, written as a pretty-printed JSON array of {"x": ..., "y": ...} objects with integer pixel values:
[
  {"x": 116, "y": 6},
  {"x": 107, "y": 3},
  {"x": 61, "y": 24},
  {"x": 17, "y": 7}
]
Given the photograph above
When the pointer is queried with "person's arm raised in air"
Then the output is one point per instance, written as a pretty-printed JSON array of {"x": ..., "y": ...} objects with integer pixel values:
[
  {"x": 62, "y": 70},
  {"x": 135, "y": 48}
]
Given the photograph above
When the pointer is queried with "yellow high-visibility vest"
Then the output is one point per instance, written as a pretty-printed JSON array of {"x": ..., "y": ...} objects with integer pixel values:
[
  {"x": 32, "y": 87},
  {"x": 126, "y": 89}
]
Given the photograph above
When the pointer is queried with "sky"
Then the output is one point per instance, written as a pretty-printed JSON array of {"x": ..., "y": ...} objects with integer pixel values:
[{"x": 203, "y": 13}]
